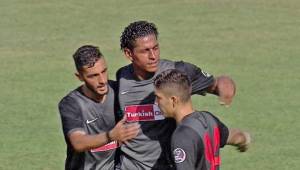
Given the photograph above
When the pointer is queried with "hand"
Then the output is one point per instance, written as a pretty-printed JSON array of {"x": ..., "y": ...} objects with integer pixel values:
[
  {"x": 238, "y": 138},
  {"x": 124, "y": 131},
  {"x": 243, "y": 147},
  {"x": 226, "y": 90}
]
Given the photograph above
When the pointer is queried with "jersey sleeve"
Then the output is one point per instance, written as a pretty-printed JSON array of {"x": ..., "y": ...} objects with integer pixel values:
[
  {"x": 200, "y": 80},
  {"x": 70, "y": 114},
  {"x": 186, "y": 147},
  {"x": 224, "y": 132}
]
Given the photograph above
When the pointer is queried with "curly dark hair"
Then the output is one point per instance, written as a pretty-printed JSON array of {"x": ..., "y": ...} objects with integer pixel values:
[
  {"x": 176, "y": 81},
  {"x": 136, "y": 30},
  {"x": 86, "y": 55}
]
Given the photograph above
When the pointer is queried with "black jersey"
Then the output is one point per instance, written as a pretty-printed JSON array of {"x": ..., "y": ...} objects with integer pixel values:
[
  {"x": 151, "y": 148},
  {"x": 196, "y": 142},
  {"x": 79, "y": 112}
]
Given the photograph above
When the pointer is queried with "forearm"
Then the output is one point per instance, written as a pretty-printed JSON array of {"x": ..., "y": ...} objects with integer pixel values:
[
  {"x": 235, "y": 137},
  {"x": 121, "y": 132},
  {"x": 239, "y": 138},
  {"x": 224, "y": 87},
  {"x": 83, "y": 142},
  {"x": 220, "y": 84}
]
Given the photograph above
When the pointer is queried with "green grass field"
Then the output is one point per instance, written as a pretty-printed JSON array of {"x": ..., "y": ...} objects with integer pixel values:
[{"x": 256, "y": 42}]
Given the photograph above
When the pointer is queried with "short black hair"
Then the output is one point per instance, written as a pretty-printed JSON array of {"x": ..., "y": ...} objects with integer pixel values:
[
  {"x": 175, "y": 80},
  {"x": 86, "y": 55},
  {"x": 136, "y": 30}
]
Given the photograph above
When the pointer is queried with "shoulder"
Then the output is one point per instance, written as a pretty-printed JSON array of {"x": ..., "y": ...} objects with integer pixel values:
[
  {"x": 188, "y": 68},
  {"x": 124, "y": 71},
  {"x": 200, "y": 122},
  {"x": 204, "y": 117},
  {"x": 73, "y": 103},
  {"x": 165, "y": 65},
  {"x": 184, "y": 133},
  {"x": 113, "y": 85},
  {"x": 211, "y": 115},
  {"x": 69, "y": 99},
  {"x": 217, "y": 120},
  {"x": 193, "y": 71},
  {"x": 168, "y": 64},
  {"x": 182, "y": 129}
]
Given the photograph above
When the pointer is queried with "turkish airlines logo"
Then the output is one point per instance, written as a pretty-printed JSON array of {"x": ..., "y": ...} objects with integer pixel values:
[
  {"x": 109, "y": 146},
  {"x": 149, "y": 112}
]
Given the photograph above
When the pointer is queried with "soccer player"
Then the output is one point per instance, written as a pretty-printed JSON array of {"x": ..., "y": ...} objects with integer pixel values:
[
  {"x": 151, "y": 148},
  {"x": 88, "y": 115},
  {"x": 199, "y": 135}
]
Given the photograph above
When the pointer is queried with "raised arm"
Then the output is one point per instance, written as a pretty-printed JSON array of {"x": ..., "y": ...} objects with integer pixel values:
[
  {"x": 202, "y": 82},
  {"x": 224, "y": 87}
]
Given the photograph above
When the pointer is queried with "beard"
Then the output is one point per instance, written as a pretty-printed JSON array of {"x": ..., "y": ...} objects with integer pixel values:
[{"x": 95, "y": 92}]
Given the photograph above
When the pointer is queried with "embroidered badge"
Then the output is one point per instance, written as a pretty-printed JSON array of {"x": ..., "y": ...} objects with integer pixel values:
[{"x": 179, "y": 155}]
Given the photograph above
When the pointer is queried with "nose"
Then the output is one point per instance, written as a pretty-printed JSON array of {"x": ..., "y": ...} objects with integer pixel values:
[
  {"x": 101, "y": 79},
  {"x": 152, "y": 54}
]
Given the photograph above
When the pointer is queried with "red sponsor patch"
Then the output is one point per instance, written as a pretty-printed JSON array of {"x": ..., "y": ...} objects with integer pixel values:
[
  {"x": 109, "y": 146},
  {"x": 149, "y": 112}
]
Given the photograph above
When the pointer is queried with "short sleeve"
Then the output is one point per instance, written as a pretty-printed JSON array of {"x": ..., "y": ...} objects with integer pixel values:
[
  {"x": 71, "y": 116},
  {"x": 200, "y": 79},
  {"x": 186, "y": 148},
  {"x": 224, "y": 132}
]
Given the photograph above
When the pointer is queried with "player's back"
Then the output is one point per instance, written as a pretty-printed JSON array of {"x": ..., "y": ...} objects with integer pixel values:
[{"x": 197, "y": 140}]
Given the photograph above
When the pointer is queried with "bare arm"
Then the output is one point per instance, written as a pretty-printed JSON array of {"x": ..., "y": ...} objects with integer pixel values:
[
  {"x": 121, "y": 132},
  {"x": 225, "y": 88},
  {"x": 239, "y": 138},
  {"x": 222, "y": 86}
]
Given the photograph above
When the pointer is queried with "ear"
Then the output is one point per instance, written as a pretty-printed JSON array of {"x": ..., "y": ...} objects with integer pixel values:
[
  {"x": 174, "y": 100},
  {"x": 79, "y": 76},
  {"x": 128, "y": 53}
]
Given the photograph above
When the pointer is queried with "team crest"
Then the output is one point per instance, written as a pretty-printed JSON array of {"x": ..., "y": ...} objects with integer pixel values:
[{"x": 179, "y": 155}]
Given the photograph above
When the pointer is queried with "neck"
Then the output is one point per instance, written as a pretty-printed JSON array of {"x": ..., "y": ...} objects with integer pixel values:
[
  {"x": 92, "y": 95},
  {"x": 183, "y": 110}
]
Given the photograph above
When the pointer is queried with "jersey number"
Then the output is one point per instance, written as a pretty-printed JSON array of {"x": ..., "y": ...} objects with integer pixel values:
[{"x": 212, "y": 149}]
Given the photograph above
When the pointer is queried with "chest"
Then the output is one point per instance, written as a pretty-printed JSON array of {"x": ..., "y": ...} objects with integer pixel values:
[
  {"x": 98, "y": 118},
  {"x": 133, "y": 93}
]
